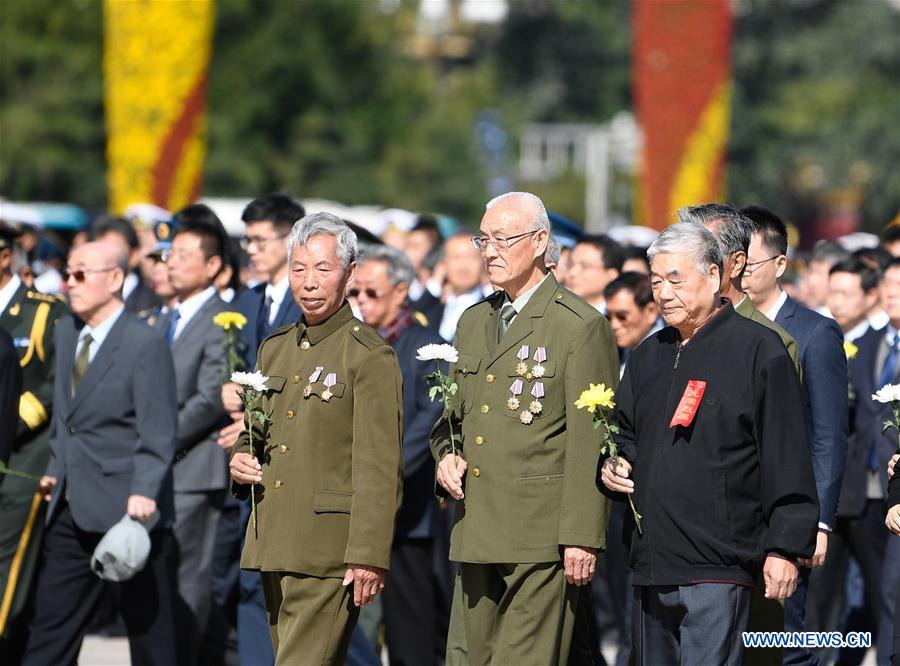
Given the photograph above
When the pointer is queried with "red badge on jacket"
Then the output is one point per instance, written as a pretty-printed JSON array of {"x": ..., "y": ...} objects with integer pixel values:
[{"x": 687, "y": 406}]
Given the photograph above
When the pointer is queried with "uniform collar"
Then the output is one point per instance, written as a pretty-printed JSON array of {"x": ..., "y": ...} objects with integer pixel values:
[
  {"x": 321, "y": 331},
  {"x": 8, "y": 291}
]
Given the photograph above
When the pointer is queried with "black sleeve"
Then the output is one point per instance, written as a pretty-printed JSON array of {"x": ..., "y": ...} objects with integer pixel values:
[
  {"x": 788, "y": 487},
  {"x": 10, "y": 390}
]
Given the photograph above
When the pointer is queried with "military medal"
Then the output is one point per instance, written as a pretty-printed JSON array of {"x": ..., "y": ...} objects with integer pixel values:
[
  {"x": 540, "y": 355},
  {"x": 526, "y": 417},
  {"x": 516, "y": 389},
  {"x": 538, "y": 392},
  {"x": 522, "y": 355},
  {"x": 313, "y": 378},
  {"x": 330, "y": 380}
]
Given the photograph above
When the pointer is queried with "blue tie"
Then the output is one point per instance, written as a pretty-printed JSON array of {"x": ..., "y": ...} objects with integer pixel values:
[
  {"x": 263, "y": 328},
  {"x": 172, "y": 325},
  {"x": 888, "y": 370}
]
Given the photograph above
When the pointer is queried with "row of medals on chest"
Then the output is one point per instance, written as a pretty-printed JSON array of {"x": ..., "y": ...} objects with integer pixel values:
[
  {"x": 329, "y": 381},
  {"x": 526, "y": 416}
]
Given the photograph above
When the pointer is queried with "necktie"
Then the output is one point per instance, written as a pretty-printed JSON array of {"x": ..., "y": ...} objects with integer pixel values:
[
  {"x": 888, "y": 370},
  {"x": 507, "y": 314},
  {"x": 263, "y": 327},
  {"x": 81, "y": 362},
  {"x": 172, "y": 325}
]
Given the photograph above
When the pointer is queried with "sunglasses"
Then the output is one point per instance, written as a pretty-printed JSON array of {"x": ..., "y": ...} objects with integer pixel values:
[
  {"x": 370, "y": 293},
  {"x": 81, "y": 275}
]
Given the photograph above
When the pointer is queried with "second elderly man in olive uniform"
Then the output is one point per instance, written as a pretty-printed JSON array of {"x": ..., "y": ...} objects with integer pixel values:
[
  {"x": 529, "y": 519},
  {"x": 329, "y": 483}
]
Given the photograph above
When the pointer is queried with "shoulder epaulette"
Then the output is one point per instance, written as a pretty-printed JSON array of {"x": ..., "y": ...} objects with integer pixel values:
[
  {"x": 367, "y": 335},
  {"x": 44, "y": 298},
  {"x": 575, "y": 304},
  {"x": 281, "y": 331}
]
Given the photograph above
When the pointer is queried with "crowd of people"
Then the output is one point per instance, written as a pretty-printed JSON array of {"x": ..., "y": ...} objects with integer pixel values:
[{"x": 733, "y": 473}]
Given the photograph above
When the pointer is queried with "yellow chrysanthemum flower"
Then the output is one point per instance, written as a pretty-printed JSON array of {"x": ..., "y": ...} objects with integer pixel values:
[
  {"x": 228, "y": 319},
  {"x": 596, "y": 396},
  {"x": 850, "y": 349}
]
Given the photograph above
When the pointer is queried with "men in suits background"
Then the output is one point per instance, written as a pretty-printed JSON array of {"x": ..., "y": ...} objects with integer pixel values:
[
  {"x": 112, "y": 450},
  {"x": 892, "y": 521},
  {"x": 201, "y": 469},
  {"x": 29, "y": 317},
  {"x": 464, "y": 286},
  {"x": 823, "y": 364},
  {"x": 529, "y": 519},
  {"x": 138, "y": 295},
  {"x": 268, "y": 306},
  {"x": 852, "y": 294},
  {"x": 416, "y": 602},
  {"x": 596, "y": 261}
]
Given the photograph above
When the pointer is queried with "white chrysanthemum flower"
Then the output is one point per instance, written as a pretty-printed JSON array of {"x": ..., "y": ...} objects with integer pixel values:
[
  {"x": 434, "y": 352},
  {"x": 254, "y": 380},
  {"x": 888, "y": 393}
]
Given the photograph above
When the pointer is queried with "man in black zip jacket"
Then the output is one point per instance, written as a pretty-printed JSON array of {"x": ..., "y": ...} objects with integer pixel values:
[{"x": 710, "y": 412}]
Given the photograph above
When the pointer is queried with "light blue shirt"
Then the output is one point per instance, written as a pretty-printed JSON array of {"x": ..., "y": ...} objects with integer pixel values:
[{"x": 98, "y": 333}]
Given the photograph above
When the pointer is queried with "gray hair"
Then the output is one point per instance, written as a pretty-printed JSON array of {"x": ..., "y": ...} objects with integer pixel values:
[
  {"x": 691, "y": 239},
  {"x": 527, "y": 203},
  {"x": 318, "y": 224},
  {"x": 554, "y": 251},
  {"x": 399, "y": 267},
  {"x": 731, "y": 228}
]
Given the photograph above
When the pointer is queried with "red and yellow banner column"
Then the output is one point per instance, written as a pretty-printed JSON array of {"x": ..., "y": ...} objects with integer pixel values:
[
  {"x": 156, "y": 68},
  {"x": 682, "y": 90}
]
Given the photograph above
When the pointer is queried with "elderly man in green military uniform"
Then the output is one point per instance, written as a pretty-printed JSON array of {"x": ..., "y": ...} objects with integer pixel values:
[
  {"x": 30, "y": 319},
  {"x": 329, "y": 470},
  {"x": 529, "y": 520}
]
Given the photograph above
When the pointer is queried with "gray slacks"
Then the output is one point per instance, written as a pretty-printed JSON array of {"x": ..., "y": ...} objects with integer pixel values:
[
  {"x": 196, "y": 522},
  {"x": 689, "y": 625}
]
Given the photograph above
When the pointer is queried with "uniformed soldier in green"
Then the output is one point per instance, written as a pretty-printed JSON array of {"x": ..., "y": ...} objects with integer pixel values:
[
  {"x": 329, "y": 483},
  {"x": 30, "y": 318},
  {"x": 529, "y": 519}
]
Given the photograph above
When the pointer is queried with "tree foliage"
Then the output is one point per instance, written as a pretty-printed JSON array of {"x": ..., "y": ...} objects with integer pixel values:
[{"x": 324, "y": 98}]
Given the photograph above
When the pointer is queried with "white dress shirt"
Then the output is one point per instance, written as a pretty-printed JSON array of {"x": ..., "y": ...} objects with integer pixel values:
[
  {"x": 190, "y": 307},
  {"x": 98, "y": 334},
  {"x": 277, "y": 292},
  {"x": 776, "y": 307},
  {"x": 7, "y": 292}
]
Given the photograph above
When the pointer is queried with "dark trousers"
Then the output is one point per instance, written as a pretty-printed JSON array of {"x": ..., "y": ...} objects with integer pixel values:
[
  {"x": 690, "y": 624},
  {"x": 68, "y": 593},
  {"x": 889, "y": 624},
  {"x": 864, "y": 538},
  {"x": 254, "y": 642},
  {"x": 795, "y": 620},
  {"x": 612, "y": 589},
  {"x": 414, "y": 619},
  {"x": 220, "y": 643}
]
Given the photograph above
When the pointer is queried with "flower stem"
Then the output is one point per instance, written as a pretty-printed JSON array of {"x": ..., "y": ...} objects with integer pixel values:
[
  {"x": 21, "y": 475},
  {"x": 253, "y": 485}
]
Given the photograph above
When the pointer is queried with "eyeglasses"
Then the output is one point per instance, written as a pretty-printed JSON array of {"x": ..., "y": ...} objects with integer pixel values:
[
  {"x": 81, "y": 275},
  {"x": 370, "y": 293},
  {"x": 499, "y": 242},
  {"x": 259, "y": 241},
  {"x": 753, "y": 265}
]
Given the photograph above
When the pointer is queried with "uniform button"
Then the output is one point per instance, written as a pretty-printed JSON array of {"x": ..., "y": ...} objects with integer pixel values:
[
  {"x": 356, "y": 328},
  {"x": 476, "y": 472},
  {"x": 295, "y": 379},
  {"x": 277, "y": 483},
  {"x": 489, "y": 379},
  {"x": 290, "y": 413},
  {"x": 528, "y": 376},
  {"x": 304, "y": 344},
  {"x": 485, "y": 409},
  {"x": 71, "y": 431},
  {"x": 558, "y": 296},
  {"x": 283, "y": 448},
  {"x": 479, "y": 440}
]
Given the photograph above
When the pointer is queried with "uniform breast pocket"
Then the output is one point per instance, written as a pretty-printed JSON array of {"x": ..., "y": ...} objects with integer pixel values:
[
  {"x": 533, "y": 393},
  {"x": 466, "y": 376},
  {"x": 325, "y": 393}
]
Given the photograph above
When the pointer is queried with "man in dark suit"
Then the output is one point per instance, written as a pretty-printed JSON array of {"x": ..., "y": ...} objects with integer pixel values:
[
  {"x": 139, "y": 296},
  {"x": 823, "y": 364},
  {"x": 892, "y": 521},
  {"x": 416, "y": 608},
  {"x": 201, "y": 466},
  {"x": 113, "y": 441}
]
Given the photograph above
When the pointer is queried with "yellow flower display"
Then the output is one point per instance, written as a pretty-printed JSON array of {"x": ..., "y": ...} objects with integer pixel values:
[
  {"x": 850, "y": 350},
  {"x": 596, "y": 396},
  {"x": 227, "y": 320}
]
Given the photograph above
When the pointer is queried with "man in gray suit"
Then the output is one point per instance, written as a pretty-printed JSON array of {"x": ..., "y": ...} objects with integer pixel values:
[
  {"x": 201, "y": 466},
  {"x": 112, "y": 444}
]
